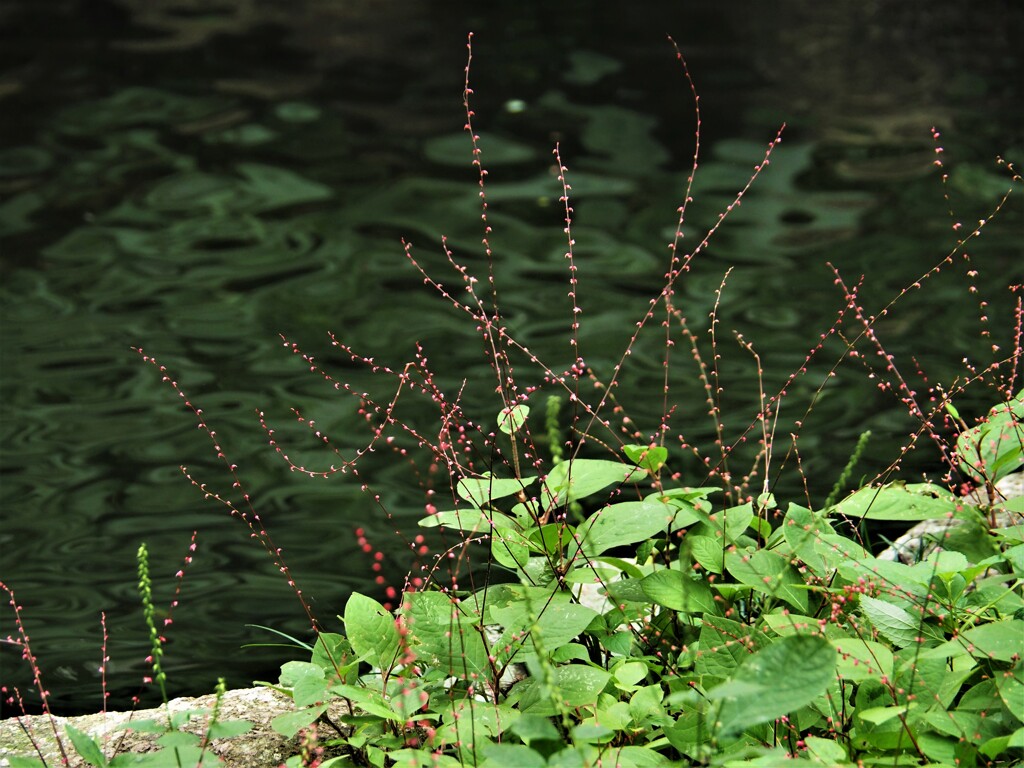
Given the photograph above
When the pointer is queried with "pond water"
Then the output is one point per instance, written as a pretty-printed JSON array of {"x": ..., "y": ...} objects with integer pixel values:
[{"x": 196, "y": 179}]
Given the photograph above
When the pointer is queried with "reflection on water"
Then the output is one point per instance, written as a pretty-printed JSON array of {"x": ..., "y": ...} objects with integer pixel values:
[{"x": 198, "y": 184}]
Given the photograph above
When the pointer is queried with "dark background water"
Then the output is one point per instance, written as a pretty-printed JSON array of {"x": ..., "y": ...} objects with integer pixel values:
[{"x": 195, "y": 178}]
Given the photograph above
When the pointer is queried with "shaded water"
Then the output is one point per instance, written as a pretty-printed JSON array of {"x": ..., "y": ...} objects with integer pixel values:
[{"x": 196, "y": 180}]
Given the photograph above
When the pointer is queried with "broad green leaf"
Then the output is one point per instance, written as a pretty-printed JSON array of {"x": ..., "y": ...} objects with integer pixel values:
[
  {"x": 725, "y": 645},
  {"x": 788, "y": 674},
  {"x": 825, "y": 752},
  {"x": 443, "y": 636},
  {"x": 570, "y": 652},
  {"x": 579, "y": 684},
  {"x": 579, "y": 478},
  {"x": 511, "y": 419},
  {"x": 879, "y": 715},
  {"x": 860, "y": 660},
  {"x": 591, "y": 731},
  {"x": 307, "y": 681},
  {"x": 629, "y": 673},
  {"x": 992, "y": 450},
  {"x": 25, "y": 762},
  {"x": 637, "y": 757},
  {"x": 559, "y": 622},
  {"x": 367, "y": 700},
  {"x": 86, "y": 747},
  {"x": 510, "y": 548},
  {"x": 228, "y": 729},
  {"x": 371, "y": 631},
  {"x": 770, "y": 573},
  {"x": 531, "y": 728},
  {"x": 310, "y": 689},
  {"x": 1011, "y": 690},
  {"x": 178, "y": 739},
  {"x": 291, "y": 723},
  {"x": 895, "y": 502},
  {"x": 788, "y": 623},
  {"x": 1000, "y": 640},
  {"x": 732, "y": 522},
  {"x": 898, "y": 625},
  {"x": 505, "y": 755},
  {"x": 645, "y": 704},
  {"x": 1000, "y": 744},
  {"x": 146, "y": 726},
  {"x": 482, "y": 490},
  {"x": 690, "y": 731},
  {"x": 707, "y": 551},
  {"x": 676, "y": 590},
  {"x": 650, "y": 457},
  {"x": 802, "y": 528},
  {"x": 332, "y": 652},
  {"x": 619, "y": 524},
  {"x": 836, "y": 550},
  {"x": 473, "y": 520},
  {"x": 737, "y": 520},
  {"x": 451, "y": 149},
  {"x": 294, "y": 671}
]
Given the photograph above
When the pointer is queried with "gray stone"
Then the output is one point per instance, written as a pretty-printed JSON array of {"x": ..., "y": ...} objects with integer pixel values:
[{"x": 261, "y": 747}]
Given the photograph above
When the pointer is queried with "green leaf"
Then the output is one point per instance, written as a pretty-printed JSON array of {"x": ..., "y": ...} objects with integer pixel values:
[
  {"x": 707, "y": 551},
  {"x": 770, "y": 573},
  {"x": 332, "y": 651},
  {"x": 787, "y": 675},
  {"x": 825, "y": 752},
  {"x": 646, "y": 704},
  {"x": 482, "y": 490},
  {"x": 1000, "y": 640},
  {"x": 454, "y": 148},
  {"x": 579, "y": 478},
  {"x": 725, "y": 644},
  {"x": 86, "y": 747},
  {"x": 898, "y": 625},
  {"x": 676, "y": 590},
  {"x": 146, "y": 726},
  {"x": 992, "y": 450},
  {"x": 531, "y": 728},
  {"x": 896, "y": 502},
  {"x": 511, "y": 419},
  {"x": 619, "y": 524},
  {"x": 504, "y": 755},
  {"x": 178, "y": 739},
  {"x": 311, "y": 688},
  {"x": 879, "y": 715},
  {"x": 1011, "y": 690},
  {"x": 510, "y": 548},
  {"x": 559, "y": 623},
  {"x": 650, "y": 457},
  {"x": 367, "y": 700},
  {"x": 443, "y": 636},
  {"x": 228, "y": 729},
  {"x": 473, "y": 520},
  {"x": 628, "y": 674},
  {"x": 291, "y": 723},
  {"x": 592, "y": 732},
  {"x": 860, "y": 660},
  {"x": 801, "y": 529},
  {"x": 25, "y": 762},
  {"x": 998, "y": 745},
  {"x": 731, "y": 522},
  {"x": 576, "y": 685},
  {"x": 371, "y": 631}
]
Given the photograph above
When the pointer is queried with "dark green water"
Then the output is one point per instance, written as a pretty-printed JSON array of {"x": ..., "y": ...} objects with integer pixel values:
[{"x": 195, "y": 180}]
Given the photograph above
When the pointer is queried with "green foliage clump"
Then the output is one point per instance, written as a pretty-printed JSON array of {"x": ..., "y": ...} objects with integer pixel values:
[{"x": 736, "y": 636}]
